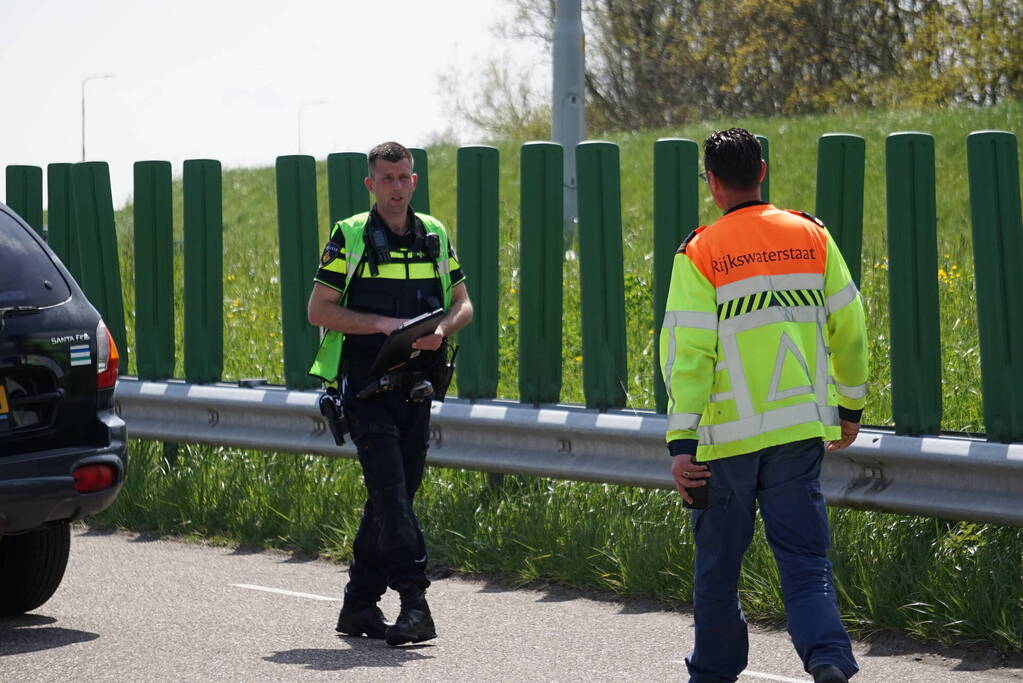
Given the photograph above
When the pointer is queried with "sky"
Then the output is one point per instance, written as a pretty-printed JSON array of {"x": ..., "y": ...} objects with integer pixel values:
[{"x": 235, "y": 80}]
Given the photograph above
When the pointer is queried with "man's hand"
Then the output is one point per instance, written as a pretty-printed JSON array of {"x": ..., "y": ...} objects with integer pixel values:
[
  {"x": 429, "y": 342},
  {"x": 457, "y": 317},
  {"x": 849, "y": 432},
  {"x": 687, "y": 475},
  {"x": 387, "y": 325}
]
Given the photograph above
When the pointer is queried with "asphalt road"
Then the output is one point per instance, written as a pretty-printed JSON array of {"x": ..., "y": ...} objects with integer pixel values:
[{"x": 133, "y": 608}]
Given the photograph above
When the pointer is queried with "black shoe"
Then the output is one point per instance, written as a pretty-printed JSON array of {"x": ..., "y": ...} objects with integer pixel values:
[
  {"x": 828, "y": 673},
  {"x": 364, "y": 619},
  {"x": 414, "y": 623}
]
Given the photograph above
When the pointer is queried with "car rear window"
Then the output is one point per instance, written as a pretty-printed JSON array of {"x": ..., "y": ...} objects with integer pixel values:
[{"x": 28, "y": 276}]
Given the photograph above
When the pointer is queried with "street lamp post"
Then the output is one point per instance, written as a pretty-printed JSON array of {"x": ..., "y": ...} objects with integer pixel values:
[
  {"x": 84, "y": 81},
  {"x": 301, "y": 107}
]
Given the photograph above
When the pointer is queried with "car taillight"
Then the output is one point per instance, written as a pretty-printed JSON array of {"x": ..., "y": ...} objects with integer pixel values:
[
  {"x": 106, "y": 358},
  {"x": 89, "y": 478}
]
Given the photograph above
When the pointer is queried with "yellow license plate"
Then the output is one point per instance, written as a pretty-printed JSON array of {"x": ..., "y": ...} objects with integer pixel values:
[{"x": 4, "y": 409}]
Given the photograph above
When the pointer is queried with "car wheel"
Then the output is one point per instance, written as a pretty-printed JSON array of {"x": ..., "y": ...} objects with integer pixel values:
[{"x": 31, "y": 567}]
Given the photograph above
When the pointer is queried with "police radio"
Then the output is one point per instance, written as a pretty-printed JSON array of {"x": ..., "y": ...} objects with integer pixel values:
[
  {"x": 378, "y": 247},
  {"x": 432, "y": 246}
]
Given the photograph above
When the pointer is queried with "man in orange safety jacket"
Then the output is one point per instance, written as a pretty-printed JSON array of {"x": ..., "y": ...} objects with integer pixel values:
[{"x": 765, "y": 360}]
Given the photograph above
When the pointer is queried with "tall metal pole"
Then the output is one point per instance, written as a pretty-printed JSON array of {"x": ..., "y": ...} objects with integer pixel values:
[
  {"x": 300, "y": 108},
  {"x": 84, "y": 81},
  {"x": 568, "y": 127}
]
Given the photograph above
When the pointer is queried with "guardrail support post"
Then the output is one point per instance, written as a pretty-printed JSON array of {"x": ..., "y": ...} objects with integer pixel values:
[
  {"x": 913, "y": 284},
  {"x": 840, "y": 169},
  {"x": 541, "y": 259},
  {"x": 61, "y": 234},
  {"x": 765, "y": 187},
  {"x": 25, "y": 194},
  {"x": 299, "y": 242},
  {"x": 998, "y": 253},
  {"x": 204, "y": 271},
  {"x": 602, "y": 277},
  {"x": 346, "y": 191},
  {"x": 421, "y": 167},
  {"x": 154, "y": 270},
  {"x": 676, "y": 214},
  {"x": 478, "y": 221},
  {"x": 97, "y": 242}
]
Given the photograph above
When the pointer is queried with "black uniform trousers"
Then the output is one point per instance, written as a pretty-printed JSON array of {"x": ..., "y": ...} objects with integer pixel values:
[{"x": 392, "y": 435}]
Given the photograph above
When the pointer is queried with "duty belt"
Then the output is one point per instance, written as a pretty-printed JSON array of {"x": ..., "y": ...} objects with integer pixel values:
[{"x": 417, "y": 384}]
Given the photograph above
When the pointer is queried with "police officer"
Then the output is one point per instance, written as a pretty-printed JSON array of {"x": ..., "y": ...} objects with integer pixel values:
[
  {"x": 765, "y": 361},
  {"x": 377, "y": 270}
]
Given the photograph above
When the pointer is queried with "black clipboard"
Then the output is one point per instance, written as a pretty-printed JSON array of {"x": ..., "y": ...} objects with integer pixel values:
[{"x": 397, "y": 349}]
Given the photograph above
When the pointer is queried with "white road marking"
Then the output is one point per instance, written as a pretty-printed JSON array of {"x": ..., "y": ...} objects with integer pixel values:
[
  {"x": 293, "y": 594},
  {"x": 772, "y": 677},
  {"x": 312, "y": 596},
  {"x": 757, "y": 674}
]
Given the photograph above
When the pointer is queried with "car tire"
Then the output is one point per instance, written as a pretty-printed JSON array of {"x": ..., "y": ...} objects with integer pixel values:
[{"x": 31, "y": 567}]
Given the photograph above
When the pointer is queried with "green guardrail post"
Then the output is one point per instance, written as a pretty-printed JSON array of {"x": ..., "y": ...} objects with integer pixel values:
[
  {"x": 97, "y": 243},
  {"x": 154, "y": 271},
  {"x": 840, "y": 168},
  {"x": 61, "y": 234},
  {"x": 676, "y": 214},
  {"x": 346, "y": 189},
  {"x": 602, "y": 276},
  {"x": 541, "y": 272},
  {"x": 421, "y": 167},
  {"x": 25, "y": 194},
  {"x": 299, "y": 245},
  {"x": 765, "y": 187},
  {"x": 478, "y": 251},
  {"x": 998, "y": 253},
  {"x": 913, "y": 284},
  {"x": 204, "y": 270}
]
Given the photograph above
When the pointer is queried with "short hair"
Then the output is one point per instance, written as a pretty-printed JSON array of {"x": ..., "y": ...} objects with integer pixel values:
[
  {"x": 734, "y": 156},
  {"x": 389, "y": 151}
]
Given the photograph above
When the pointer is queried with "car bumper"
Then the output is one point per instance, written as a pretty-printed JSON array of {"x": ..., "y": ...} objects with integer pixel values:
[{"x": 38, "y": 488}]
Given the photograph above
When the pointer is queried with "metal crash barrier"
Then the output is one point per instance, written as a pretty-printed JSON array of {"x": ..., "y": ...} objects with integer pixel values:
[{"x": 946, "y": 477}]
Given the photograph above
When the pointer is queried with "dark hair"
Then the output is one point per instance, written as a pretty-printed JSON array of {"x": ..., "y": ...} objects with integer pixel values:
[
  {"x": 389, "y": 151},
  {"x": 734, "y": 156}
]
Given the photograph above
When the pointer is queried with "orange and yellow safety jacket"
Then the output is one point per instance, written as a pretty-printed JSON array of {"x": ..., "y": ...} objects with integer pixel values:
[{"x": 763, "y": 341}]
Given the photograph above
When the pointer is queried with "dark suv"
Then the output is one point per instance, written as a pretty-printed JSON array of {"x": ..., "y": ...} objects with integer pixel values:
[{"x": 62, "y": 449}]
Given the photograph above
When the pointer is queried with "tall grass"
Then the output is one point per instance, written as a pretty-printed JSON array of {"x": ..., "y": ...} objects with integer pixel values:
[
  {"x": 949, "y": 581},
  {"x": 935, "y": 579}
]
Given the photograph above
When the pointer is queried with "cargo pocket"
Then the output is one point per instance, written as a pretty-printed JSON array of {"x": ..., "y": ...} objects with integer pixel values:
[{"x": 716, "y": 511}]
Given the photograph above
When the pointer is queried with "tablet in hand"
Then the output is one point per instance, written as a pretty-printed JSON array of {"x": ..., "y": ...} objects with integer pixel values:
[{"x": 397, "y": 348}]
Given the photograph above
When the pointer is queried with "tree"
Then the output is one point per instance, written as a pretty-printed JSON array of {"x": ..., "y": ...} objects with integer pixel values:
[
  {"x": 504, "y": 103},
  {"x": 660, "y": 63},
  {"x": 965, "y": 51}
]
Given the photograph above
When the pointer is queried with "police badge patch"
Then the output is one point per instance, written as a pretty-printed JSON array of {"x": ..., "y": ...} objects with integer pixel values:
[{"x": 330, "y": 253}]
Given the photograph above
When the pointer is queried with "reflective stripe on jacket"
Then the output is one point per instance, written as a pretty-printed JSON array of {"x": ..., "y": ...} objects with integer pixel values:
[
  {"x": 763, "y": 336},
  {"x": 328, "y": 357}
]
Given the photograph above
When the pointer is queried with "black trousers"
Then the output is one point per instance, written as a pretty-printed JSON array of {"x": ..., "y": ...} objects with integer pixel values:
[{"x": 392, "y": 435}]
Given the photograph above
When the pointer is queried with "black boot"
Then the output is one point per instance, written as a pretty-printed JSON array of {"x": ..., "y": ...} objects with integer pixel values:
[
  {"x": 828, "y": 673},
  {"x": 360, "y": 617},
  {"x": 414, "y": 623}
]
